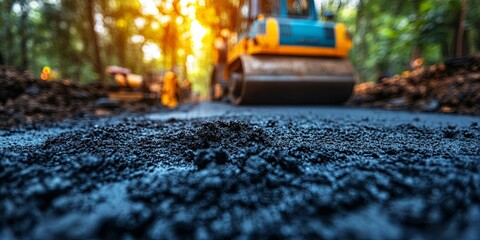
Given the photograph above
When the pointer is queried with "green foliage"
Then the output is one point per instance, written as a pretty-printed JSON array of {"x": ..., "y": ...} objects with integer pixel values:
[
  {"x": 59, "y": 33},
  {"x": 390, "y": 34}
]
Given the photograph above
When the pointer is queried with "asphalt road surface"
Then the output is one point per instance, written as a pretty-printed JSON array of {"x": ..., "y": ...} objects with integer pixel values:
[{"x": 214, "y": 171}]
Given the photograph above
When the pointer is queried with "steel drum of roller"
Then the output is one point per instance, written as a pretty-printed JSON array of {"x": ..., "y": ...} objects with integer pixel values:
[{"x": 291, "y": 80}]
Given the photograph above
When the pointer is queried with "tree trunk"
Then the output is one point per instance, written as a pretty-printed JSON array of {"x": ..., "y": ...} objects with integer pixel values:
[
  {"x": 361, "y": 28},
  {"x": 24, "y": 38},
  {"x": 384, "y": 67},
  {"x": 8, "y": 34},
  {"x": 97, "y": 61},
  {"x": 466, "y": 43},
  {"x": 339, "y": 8},
  {"x": 185, "y": 69},
  {"x": 478, "y": 39},
  {"x": 8, "y": 46},
  {"x": 417, "y": 48},
  {"x": 445, "y": 48},
  {"x": 461, "y": 28},
  {"x": 3, "y": 14},
  {"x": 121, "y": 47},
  {"x": 359, "y": 16}
]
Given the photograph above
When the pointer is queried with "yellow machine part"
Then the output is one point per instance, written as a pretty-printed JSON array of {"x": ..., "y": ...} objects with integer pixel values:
[
  {"x": 129, "y": 80},
  {"x": 269, "y": 44},
  {"x": 260, "y": 70},
  {"x": 126, "y": 96},
  {"x": 170, "y": 90}
]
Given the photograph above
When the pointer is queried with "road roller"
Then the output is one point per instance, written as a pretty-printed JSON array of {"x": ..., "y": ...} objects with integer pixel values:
[{"x": 281, "y": 52}]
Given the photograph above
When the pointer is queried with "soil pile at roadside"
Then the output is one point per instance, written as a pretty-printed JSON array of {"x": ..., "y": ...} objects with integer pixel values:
[
  {"x": 25, "y": 99},
  {"x": 450, "y": 87}
]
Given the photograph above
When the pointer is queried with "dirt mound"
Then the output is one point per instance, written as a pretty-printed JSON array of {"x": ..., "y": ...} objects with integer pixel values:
[
  {"x": 25, "y": 99},
  {"x": 451, "y": 87}
]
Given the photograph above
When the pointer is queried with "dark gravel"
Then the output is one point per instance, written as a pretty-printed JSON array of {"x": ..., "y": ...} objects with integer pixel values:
[{"x": 245, "y": 173}]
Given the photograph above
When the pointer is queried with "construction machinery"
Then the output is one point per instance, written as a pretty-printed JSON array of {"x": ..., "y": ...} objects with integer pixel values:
[
  {"x": 132, "y": 87},
  {"x": 160, "y": 86},
  {"x": 281, "y": 53}
]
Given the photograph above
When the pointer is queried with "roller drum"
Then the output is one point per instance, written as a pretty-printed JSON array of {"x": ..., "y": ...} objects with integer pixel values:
[{"x": 291, "y": 80}]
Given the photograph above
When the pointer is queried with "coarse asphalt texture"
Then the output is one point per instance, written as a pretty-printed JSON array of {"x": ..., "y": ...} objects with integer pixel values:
[{"x": 214, "y": 171}]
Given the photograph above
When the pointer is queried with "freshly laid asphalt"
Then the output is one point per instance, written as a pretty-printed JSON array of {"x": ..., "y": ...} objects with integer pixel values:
[{"x": 215, "y": 171}]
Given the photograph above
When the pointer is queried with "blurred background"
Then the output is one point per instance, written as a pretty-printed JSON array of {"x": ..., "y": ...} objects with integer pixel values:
[{"x": 77, "y": 40}]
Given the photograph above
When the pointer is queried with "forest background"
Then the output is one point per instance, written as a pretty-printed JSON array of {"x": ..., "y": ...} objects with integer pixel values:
[{"x": 78, "y": 39}]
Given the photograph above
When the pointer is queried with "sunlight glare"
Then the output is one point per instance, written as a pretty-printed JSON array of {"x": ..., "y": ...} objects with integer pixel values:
[
  {"x": 151, "y": 51},
  {"x": 194, "y": 32},
  {"x": 198, "y": 30},
  {"x": 179, "y": 20},
  {"x": 137, "y": 39},
  {"x": 99, "y": 25},
  {"x": 165, "y": 19},
  {"x": 149, "y": 7},
  {"x": 140, "y": 22}
]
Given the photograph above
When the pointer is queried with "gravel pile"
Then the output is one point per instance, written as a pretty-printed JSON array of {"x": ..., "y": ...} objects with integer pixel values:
[
  {"x": 450, "y": 87},
  {"x": 303, "y": 177}
]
